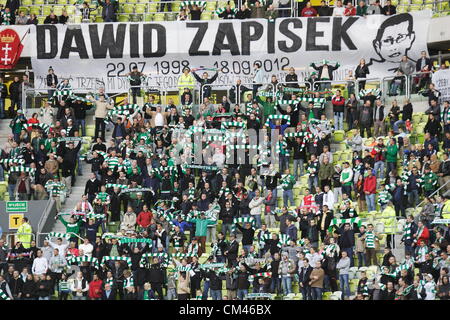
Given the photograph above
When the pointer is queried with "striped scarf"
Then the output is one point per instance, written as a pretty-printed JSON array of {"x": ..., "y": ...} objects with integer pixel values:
[
  {"x": 384, "y": 197},
  {"x": 135, "y": 240},
  {"x": 57, "y": 235},
  {"x": 227, "y": 124},
  {"x": 243, "y": 220},
  {"x": 116, "y": 185},
  {"x": 3, "y": 295},
  {"x": 128, "y": 282},
  {"x": 55, "y": 188},
  {"x": 109, "y": 258},
  {"x": 260, "y": 274},
  {"x": 22, "y": 169},
  {"x": 313, "y": 168},
  {"x": 221, "y": 10},
  {"x": 318, "y": 102},
  {"x": 282, "y": 149},
  {"x": 283, "y": 239},
  {"x": 162, "y": 255},
  {"x": 191, "y": 3},
  {"x": 9, "y": 162},
  {"x": 407, "y": 231},
  {"x": 278, "y": 117},
  {"x": 370, "y": 239},
  {"x": 41, "y": 125},
  {"x": 76, "y": 260}
]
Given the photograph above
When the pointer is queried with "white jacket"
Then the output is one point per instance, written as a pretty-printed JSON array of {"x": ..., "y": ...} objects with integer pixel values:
[
  {"x": 328, "y": 199},
  {"x": 40, "y": 266},
  {"x": 256, "y": 205},
  {"x": 87, "y": 249}
]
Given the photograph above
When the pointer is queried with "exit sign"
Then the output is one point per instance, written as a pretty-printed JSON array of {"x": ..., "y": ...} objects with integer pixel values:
[{"x": 17, "y": 206}]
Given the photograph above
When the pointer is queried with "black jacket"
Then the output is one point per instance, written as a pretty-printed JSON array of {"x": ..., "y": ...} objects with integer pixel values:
[
  {"x": 14, "y": 90},
  {"x": 247, "y": 235},
  {"x": 92, "y": 187},
  {"x": 237, "y": 91},
  {"x": 233, "y": 251},
  {"x": 361, "y": 72},
  {"x": 303, "y": 275},
  {"x": 155, "y": 274},
  {"x": 378, "y": 113},
  {"x": 227, "y": 216},
  {"x": 330, "y": 70},
  {"x": 204, "y": 84}
]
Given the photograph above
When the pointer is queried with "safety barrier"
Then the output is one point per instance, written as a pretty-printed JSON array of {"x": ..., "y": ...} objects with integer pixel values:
[{"x": 386, "y": 84}]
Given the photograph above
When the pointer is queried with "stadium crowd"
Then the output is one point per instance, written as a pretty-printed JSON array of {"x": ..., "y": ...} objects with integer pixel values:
[
  {"x": 182, "y": 201},
  {"x": 13, "y": 13}
]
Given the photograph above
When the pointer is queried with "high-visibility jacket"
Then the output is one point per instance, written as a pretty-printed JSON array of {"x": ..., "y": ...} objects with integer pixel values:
[
  {"x": 186, "y": 82},
  {"x": 24, "y": 234}
]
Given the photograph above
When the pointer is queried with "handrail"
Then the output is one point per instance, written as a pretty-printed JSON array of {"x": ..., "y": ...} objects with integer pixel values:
[{"x": 434, "y": 192}]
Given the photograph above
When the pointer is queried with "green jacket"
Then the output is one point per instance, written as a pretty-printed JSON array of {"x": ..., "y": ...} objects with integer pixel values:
[
  {"x": 326, "y": 171},
  {"x": 429, "y": 181},
  {"x": 361, "y": 11},
  {"x": 201, "y": 226},
  {"x": 391, "y": 153},
  {"x": 71, "y": 227}
]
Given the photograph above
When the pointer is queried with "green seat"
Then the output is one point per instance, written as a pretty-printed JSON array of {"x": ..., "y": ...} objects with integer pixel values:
[
  {"x": 57, "y": 10},
  {"x": 41, "y": 20},
  {"x": 402, "y": 9},
  {"x": 339, "y": 136},
  {"x": 63, "y": 2},
  {"x": 140, "y": 8},
  {"x": 415, "y": 7},
  {"x": 98, "y": 19},
  {"x": 159, "y": 17},
  {"x": 135, "y": 17},
  {"x": 124, "y": 18},
  {"x": 153, "y": 7},
  {"x": 46, "y": 10},
  {"x": 23, "y": 9},
  {"x": 27, "y": 2},
  {"x": 78, "y": 19},
  {"x": 210, "y": 6},
  {"x": 404, "y": 2},
  {"x": 35, "y": 10},
  {"x": 128, "y": 8},
  {"x": 39, "y": 2},
  {"x": 419, "y": 2},
  {"x": 428, "y": 6},
  {"x": 70, "y": 10},
  {"x": 148, "y": 17},
  {"x": 206, "y": 16}
]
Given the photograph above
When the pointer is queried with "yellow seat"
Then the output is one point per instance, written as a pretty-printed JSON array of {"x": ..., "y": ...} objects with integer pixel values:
[
  {"x": 140, "y": 8},
  {"x": 153, "y": 7},
  {"x": 39, "y": 2},
  {"x": 206, "y": 16},
  {"x": 128, "y": 8},
  {"x": 339, "y": 135},
  {"x": 57, "y": 10},
  {"x": 159, "y": 17},
  {"x": 415, "y": 7},
  {"x": 46, "y": 10},
  {"x": 402, "y": 9}
]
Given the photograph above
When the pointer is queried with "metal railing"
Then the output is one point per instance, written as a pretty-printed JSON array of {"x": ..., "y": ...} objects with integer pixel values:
[
  {"x": 436, "y": 191},
  {"x": 386, "y": 88}
]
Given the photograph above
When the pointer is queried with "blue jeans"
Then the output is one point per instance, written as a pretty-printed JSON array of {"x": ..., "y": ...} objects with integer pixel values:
[
  {"x": 298, "y": 163},
  {"x": 413, "y": 198},
  {"x": 287, "y": 194},
  {"x": 284, "y": 163},
  {"x": 2, "y": 108},
  {"x": 394, "y": 88},
  {"x": 275, "y": 284},
  {"x": 216, "y": 294},
  {"x": 2, "y": 173},
  {"x": 313, "y": 182},
  {"x": 258, "y": 220},
  {"x": 347, "y": 190},
  {"x": 391, "y": 166},
  {"x": 339, "y": 121},
  {"x": 396, "y": 124},
  {"x": 287, "y": 285},
  {"x": 206, "y": 290},
  {"x": 361, "y": 259},
  {"x": 44, "y": 298},
  {"x": 226, "y": 228},
  {"x": 306, "y": 293},
  {"x": 345, "y": 286},
  {"x": 242, "y": 293},
  {"x": 379, "y": 169},
  {"x": 316, "y": 293},
  {"x": 370, "y": 199},
  {"x": 82, "y": 123},
  {"x": 11, "y": 188}
]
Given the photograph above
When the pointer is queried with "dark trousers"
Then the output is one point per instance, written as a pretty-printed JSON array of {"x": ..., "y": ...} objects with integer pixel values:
[
  {"x": 306, "y": 292},
  {"x": 399, "y": 209},
  {"x": 99, "y": 128},
  {"x": 347, "y": 190},
  {"x": 157, "y": 287},
  {"x": 136, "y": 91},
  {"x": 365, "y": 128}
]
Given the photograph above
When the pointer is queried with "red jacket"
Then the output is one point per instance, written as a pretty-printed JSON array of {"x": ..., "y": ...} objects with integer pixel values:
[
  {"x": 350, "y": 12},
  {"x": 370, "y": 184},
  {"x": 425, "y": 236},
  {"x": 95, "y": 289},
  {"x": 144, "y": 218}
]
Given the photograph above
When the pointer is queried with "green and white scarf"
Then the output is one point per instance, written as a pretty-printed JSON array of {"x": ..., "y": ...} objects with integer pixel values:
[
  {"x": 278, "y": 117},
  {"x": 109, "y": 258}
]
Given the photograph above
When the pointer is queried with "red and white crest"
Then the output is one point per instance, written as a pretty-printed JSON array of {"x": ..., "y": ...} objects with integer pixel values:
[{"x": 10, "y": 48}]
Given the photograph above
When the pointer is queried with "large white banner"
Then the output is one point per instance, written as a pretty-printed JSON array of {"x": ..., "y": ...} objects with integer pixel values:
[
  {"x": 441, "y": 80},
  {"x": 90, "y": 54}
]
